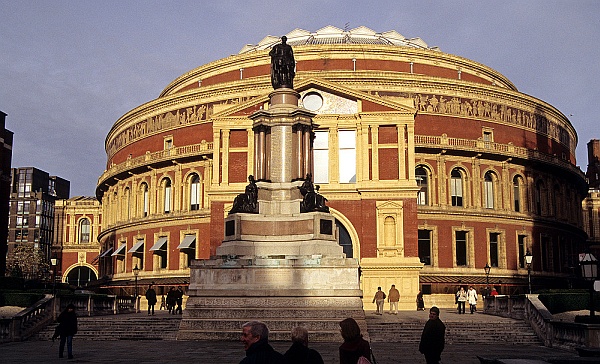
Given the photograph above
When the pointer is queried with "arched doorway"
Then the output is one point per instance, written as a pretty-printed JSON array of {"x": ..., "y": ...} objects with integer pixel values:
[
  {"x": 80, "y": 276},
  {"x": 345, "y": 239}
]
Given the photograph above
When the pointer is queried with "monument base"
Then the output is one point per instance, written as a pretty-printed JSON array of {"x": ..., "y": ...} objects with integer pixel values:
[{"x": 311, "y": 291}]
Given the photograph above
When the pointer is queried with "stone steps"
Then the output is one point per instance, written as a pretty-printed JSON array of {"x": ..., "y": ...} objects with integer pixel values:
[
  {"x": 121, "y": 327},
  {"x": 516, "y": 332},
  {"x": 322, "y": 329}
]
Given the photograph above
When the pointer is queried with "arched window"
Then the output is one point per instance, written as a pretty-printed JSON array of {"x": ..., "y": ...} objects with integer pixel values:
[
  {"x": 557, "y": 201},
  {"x": 539, "y": 192},
  {"x": 195, "y": 197},
  {"x": 84, "y": 231},
  {"x": 456, "y": 187},
  {"x": 144, "y": 190},
  {"x": 517, "y": 200},
  {"x": 423, "y": 182},
  {"x": 488, "y": 190},
  {"x": 167, "y": 190}
]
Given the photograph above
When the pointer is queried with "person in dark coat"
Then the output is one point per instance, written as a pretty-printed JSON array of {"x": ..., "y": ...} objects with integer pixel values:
[
  {"x": 433, "y": 337},
  {"x": 67, "y": 322},
  {"x": 354, "y": 345},
  {"x": 151, "y": 297},
  {"x": 171, "y": 300},
  {"x": 299, "y": 353},
  {"x": 255, "y": 336},
  {"x": 178, "y": 300}
]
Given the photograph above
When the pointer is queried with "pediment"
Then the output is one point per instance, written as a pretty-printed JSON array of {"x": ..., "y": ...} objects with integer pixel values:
[
  {"x": 335, "y": 100},
  {"x": 389, "y": 205}
]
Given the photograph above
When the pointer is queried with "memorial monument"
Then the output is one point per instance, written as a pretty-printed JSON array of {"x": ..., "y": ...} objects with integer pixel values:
[{"x": 280, "y": 261}]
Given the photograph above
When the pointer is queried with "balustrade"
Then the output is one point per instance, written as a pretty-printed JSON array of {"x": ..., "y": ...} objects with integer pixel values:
[{"x": 559, "y": 334}]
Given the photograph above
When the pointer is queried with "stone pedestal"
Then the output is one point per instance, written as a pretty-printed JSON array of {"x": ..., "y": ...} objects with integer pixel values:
[{"x": 279, "y": 266}]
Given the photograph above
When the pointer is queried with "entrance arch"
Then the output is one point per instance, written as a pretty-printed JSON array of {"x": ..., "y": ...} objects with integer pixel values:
[
  {"x": 348, "y": 238},
  {"x": 80, "y": 276}
]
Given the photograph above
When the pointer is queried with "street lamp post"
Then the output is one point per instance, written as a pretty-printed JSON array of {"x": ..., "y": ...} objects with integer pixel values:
[
  {"x": 54, "y": 263},
  {"x": 589, "y": 272},
  {"x": 136, "y": 271},
  {"x": 487, "y": 269},
  {"x": 528, "y": 260}
]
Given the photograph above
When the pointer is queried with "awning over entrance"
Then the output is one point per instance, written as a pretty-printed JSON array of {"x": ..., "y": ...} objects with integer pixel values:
[
  {"x": 120, "y": 250},
  {"x": 137, "y": 247},
  {"x": 188, "y": 242},
  {"x": 161, "y": 244}
]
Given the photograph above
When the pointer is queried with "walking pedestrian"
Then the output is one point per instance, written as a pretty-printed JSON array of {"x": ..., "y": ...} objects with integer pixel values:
[
  {"x": 354, "y": 346},
  {"x": 151, "y": 298},
  {"x": 179, "y": 300},
  {"x": 299, "y": 352},
  {"x": 461, "y": 299},
  {"x": 255, "y": 337},
  {"x": 420, "y": 302},
  {"x": 433, "y": 337},
  {"x": 472, "y": 299},
  {"x": 379, "y": 299},
  {"x": 393, "y": 298},
  {"x": 171, "y": 300},
  {"x": 67, "y": 322}
]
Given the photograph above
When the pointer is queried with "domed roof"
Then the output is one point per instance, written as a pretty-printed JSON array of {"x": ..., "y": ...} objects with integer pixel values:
[{"x": 333, "y": 35}]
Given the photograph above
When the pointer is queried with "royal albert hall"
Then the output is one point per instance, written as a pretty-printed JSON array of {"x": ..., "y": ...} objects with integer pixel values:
[{"x": 433, "y": 165}]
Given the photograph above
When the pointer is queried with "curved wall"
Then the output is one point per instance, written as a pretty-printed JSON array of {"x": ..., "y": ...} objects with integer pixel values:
[{"x": 407, "y": 108}]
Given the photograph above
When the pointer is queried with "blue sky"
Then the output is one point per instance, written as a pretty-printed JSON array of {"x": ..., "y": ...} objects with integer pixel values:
[{"x": 70, "y": 69}]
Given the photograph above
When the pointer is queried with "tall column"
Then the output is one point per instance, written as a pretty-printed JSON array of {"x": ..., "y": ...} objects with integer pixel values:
[
  {"x": 307, "y": 157},
  {"x": 375, "y": 152},
  {"x": 216, "y": 156},
  {"x": 225, "y": 156},
  {"x": 250, "y": 156},
  {"x": 334, "y": 147},
  {"x": 401, "y": 152}
]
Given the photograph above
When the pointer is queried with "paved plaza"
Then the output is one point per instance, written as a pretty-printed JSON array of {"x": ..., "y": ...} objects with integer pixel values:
[
  {"x": 232, "y": 352},
  {"x": 224, "y": 352}
]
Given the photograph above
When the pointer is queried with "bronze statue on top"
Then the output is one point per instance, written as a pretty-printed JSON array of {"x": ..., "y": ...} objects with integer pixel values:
[
  {"x": 313, "y": 200},
  {"x": 247, "y": 201},
  {"x": 282, "y": 65}
]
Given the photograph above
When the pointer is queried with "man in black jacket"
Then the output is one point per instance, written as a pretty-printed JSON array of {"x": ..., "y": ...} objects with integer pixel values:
[
  {"x": 67, "y": 322},
  {"x": 255, "y": 336},
  {"x": 433, "y": 337},
  {"x": 299, "y": 353}
]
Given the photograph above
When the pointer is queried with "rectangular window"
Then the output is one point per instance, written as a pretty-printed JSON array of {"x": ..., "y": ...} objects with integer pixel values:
[
  {"x": 456, "y": 191},
  {"x": 546, "y": 242},
  {"x": 195, "y": 196},
  {"x": 517, "y": 197},
  {"x": 347, "y": 143},
  {"x": 494, "y": 237},
  {"x": 167, "y": 199},
  {"x": 461, "y": 248},
  {"x": 168, "y": 143},
  {"x": 321, "y": 157},
  {"x": 146, "y": 202},
  {"x": 425, "y": 246},
  {"x": 521, "y": 243},
  {"x": 489, "y": 194}
]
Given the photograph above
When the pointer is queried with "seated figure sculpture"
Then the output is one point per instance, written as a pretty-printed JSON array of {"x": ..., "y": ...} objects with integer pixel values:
[
  {"x": 247, "y": 201},
  {"x": 312, "y": 201}
]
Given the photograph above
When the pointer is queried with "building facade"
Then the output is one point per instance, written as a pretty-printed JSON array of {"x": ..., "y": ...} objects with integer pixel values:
[
  {"x": 433, "y": 165},
  {"x": 33, "y": 193},
  {"x": 591, "y": 204},
  {"x": 77, "y": 223},
  {"x": 6, "y": 141}
]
